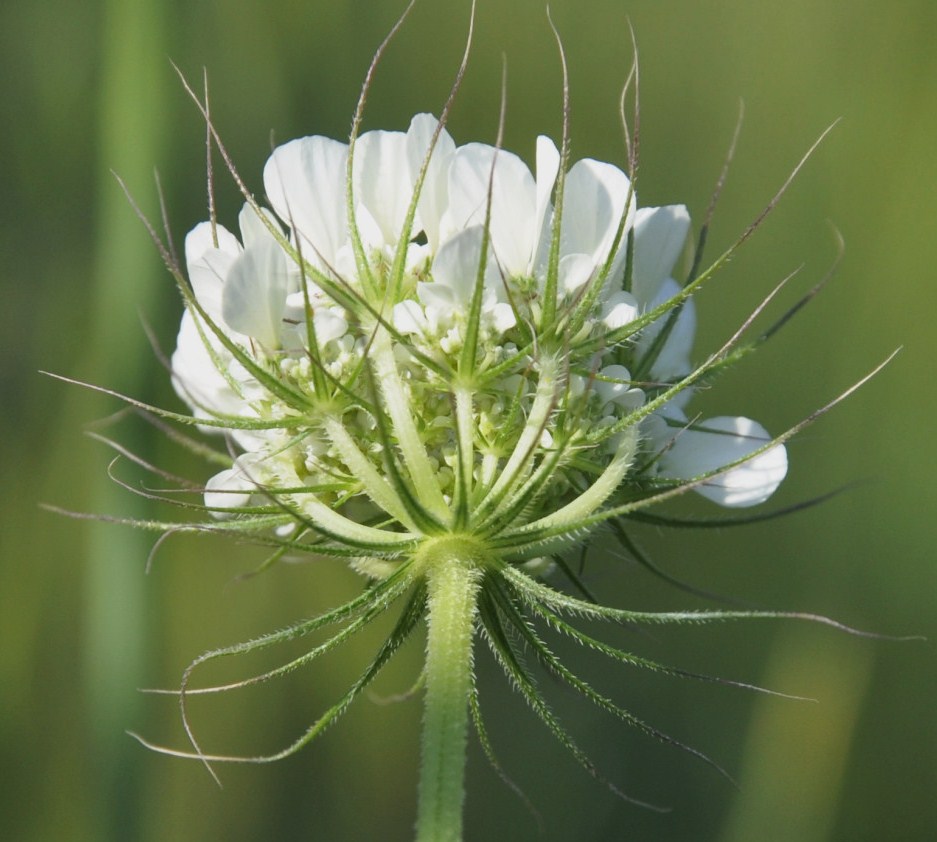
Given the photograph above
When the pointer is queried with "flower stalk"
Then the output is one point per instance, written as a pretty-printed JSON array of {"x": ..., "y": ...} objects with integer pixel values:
[{"x": 453, "y": 571}]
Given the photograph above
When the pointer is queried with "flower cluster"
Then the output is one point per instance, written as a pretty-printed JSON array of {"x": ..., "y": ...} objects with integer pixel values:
[
  {"x": 424, "y": 339},
  {"x": 449, "y": 372}
]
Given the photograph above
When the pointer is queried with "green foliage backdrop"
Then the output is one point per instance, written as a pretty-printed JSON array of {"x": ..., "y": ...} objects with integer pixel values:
[{"x": 88, "y": 88}]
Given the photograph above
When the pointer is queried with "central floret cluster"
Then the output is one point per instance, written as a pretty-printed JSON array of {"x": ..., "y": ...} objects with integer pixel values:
[{"x": 425, "y": 339}]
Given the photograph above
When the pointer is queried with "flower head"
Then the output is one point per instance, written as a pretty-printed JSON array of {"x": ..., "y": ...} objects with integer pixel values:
[
  {"x": 450, "y": 371},
  {"x": 449, "y": 343}
]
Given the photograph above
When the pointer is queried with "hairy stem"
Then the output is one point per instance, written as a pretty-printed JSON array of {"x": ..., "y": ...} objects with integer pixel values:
[{"x": 453, "y": 577}]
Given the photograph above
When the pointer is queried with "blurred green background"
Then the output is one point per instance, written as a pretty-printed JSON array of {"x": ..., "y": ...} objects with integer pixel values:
[{"x": 87, "y": 88}]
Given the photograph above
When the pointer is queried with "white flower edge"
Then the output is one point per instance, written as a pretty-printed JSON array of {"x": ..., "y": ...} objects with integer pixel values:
[{"x": 711, "y": 444}]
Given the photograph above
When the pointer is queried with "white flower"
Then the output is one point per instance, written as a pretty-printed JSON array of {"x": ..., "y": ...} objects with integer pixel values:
[
  {"x": 659, "y": 239},
  {"x": 448, "y": 371},
  {"x": 716, "y": 442},
  {"x": 315, "y": 272},
  {"x": 314, "y": 206},
  {"x": 613, "y": 385},
  {"x": 520, "y": 205},
  {"x": 234, "y": 487}
]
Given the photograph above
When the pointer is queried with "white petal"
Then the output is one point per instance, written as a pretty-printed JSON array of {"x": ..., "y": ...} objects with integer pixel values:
[
  {"x": 574, "y": 271},
  {"x": 716, "y": 442},
  {"x": 330, "y": 324},
  {"x": 456, "y": 266},
  {"x": 254, "y": 294},
  {"x": 208, "y": 265},
  {"x": 673, "y": 360},
  {"x": 226, "y": 490},
  {"x": 502, "y": 317},
  {"x": 232, "y": 488},
  {"x": 203, "y": 387},
  {"x": 659, "y": 237},
  {"x": 613, "y": 385},
  {"x": 202, "y": 239},
  {"x": 305, "y": 183},
  {"x": 660, "y": 427},
  {"x": 435, "y": 190},
  {"x": 419, "y": 257},
  {"x": 620, "y": 309},
  {"x": 594, "y": 199},
  {"x": 514, "y": 232},
  {"x": 372, "y": 237},
  {"x": 382, "y": 181},
  {"x": 408, "y": 317},
  {"x": 548, "y": 166},
  {"x": 441, "y": 298},
  {"x": 197, "y": 380},
  {"x": 253, "y": 228}
]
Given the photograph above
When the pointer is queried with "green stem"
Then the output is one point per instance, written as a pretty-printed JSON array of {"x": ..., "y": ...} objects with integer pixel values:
[{"x": 453, "y": 576}]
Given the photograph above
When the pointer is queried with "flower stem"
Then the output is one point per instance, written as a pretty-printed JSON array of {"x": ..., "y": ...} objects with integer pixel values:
[{"x": 453, "y": 576}]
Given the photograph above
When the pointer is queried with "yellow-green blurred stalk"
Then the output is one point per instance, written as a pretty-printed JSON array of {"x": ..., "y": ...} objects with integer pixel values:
[{"x": 132, "y": 139}]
